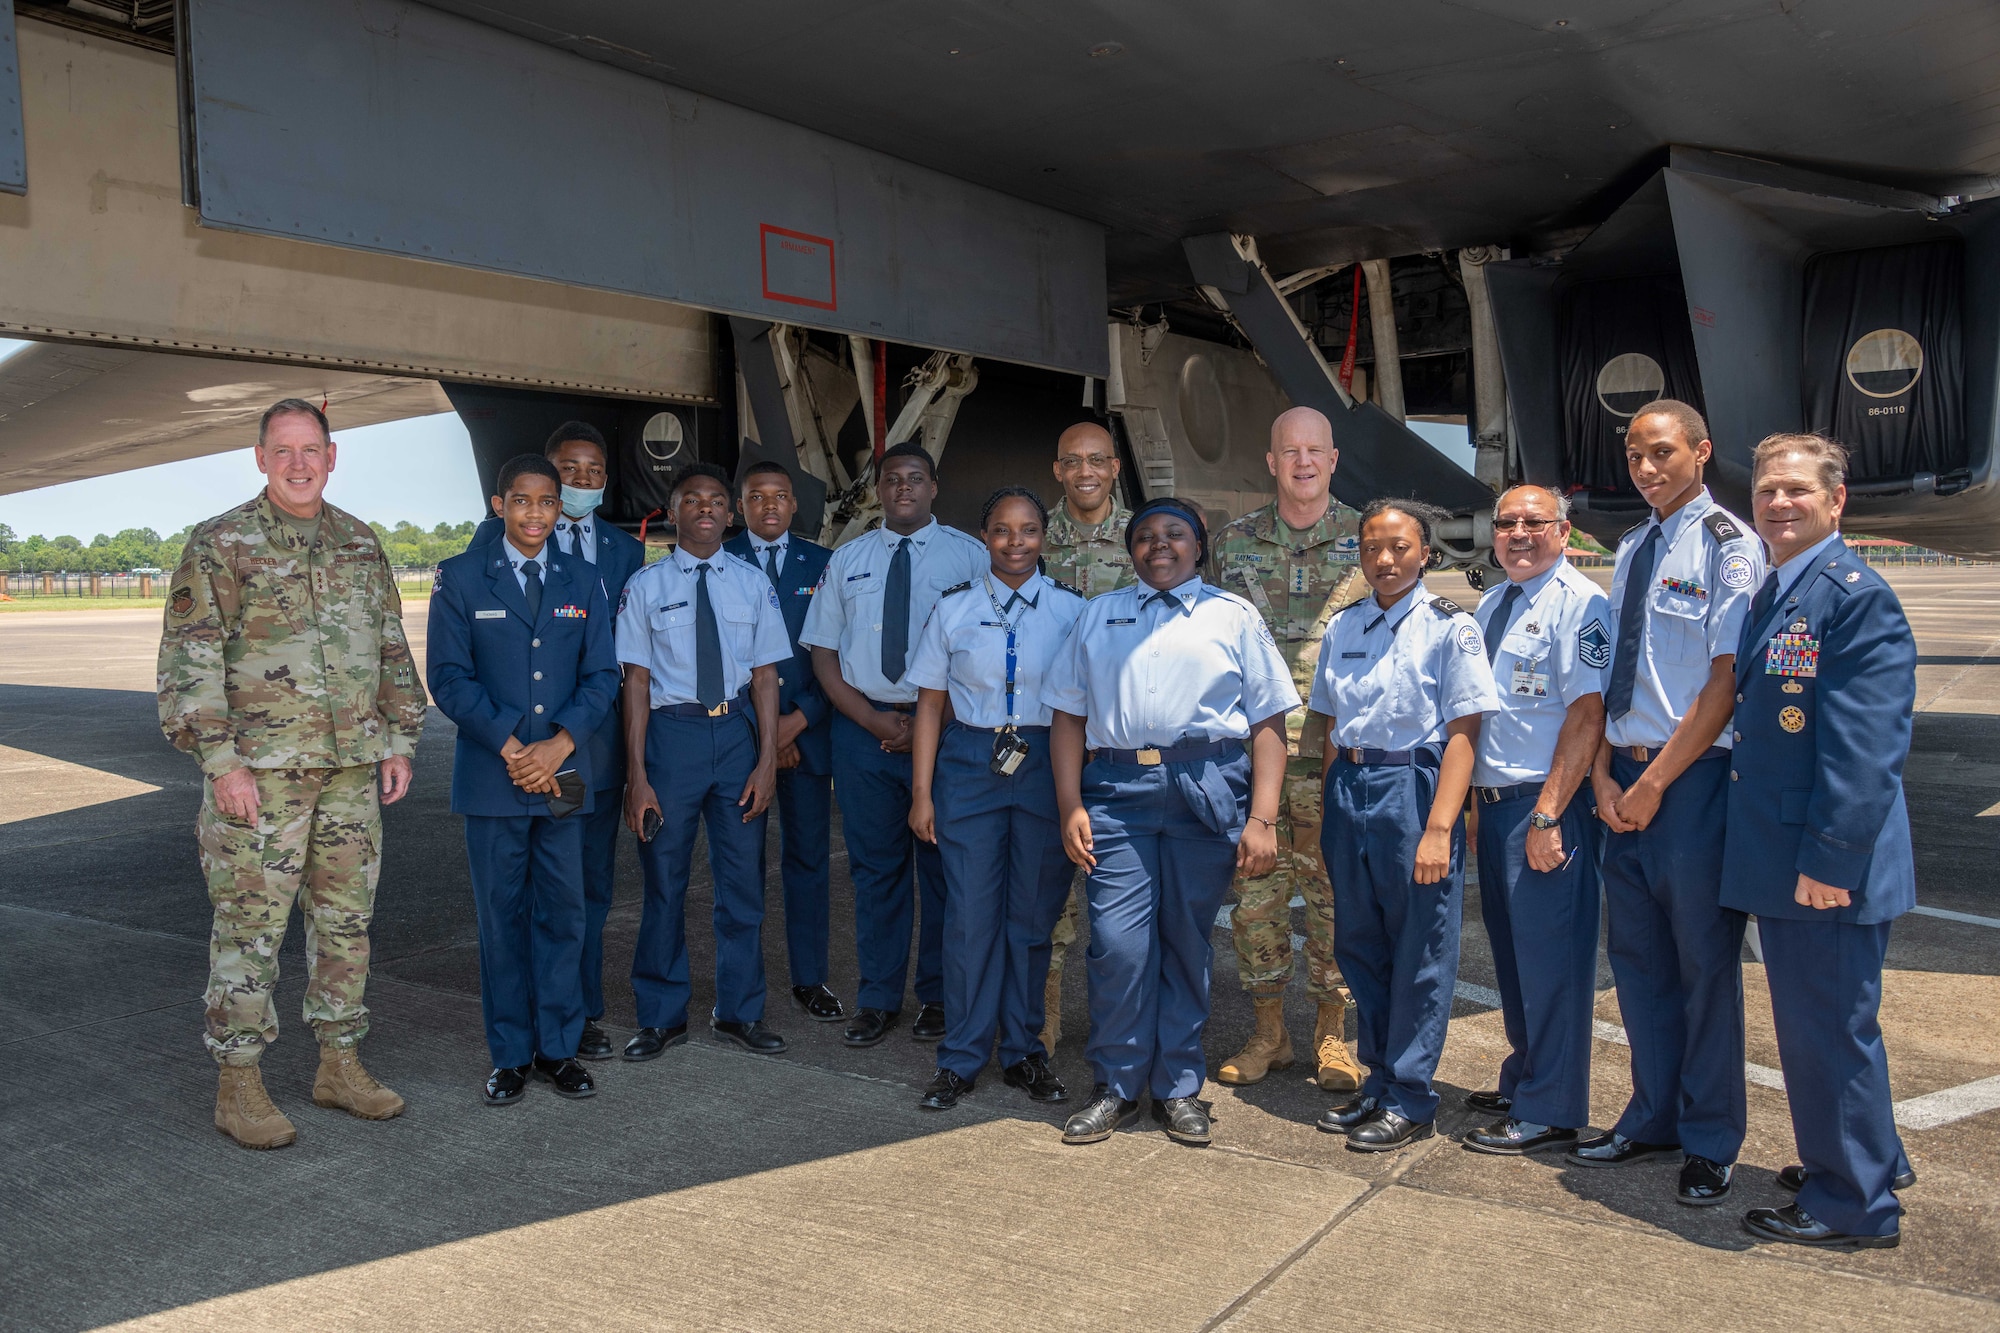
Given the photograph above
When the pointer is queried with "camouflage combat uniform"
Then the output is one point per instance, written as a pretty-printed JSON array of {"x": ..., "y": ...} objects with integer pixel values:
[
  {"x": 1298, "y": 580},
  {"x": 1094, "y": 561},
  {"x": 283, "y": 652}
]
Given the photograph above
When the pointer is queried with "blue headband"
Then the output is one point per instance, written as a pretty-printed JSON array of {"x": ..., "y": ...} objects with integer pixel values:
[{"x": 1169, "y": 504}]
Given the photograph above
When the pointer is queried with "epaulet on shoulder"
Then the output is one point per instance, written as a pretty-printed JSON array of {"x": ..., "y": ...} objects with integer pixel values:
[
  {"x": 1356, "y": 602},
  {"x": 1634, "y": 528},
  {"x": 956, "y": 587},
  {"x": 1074, "y": 592},
  {"x": 1721, "y": 526},
  {"x": 1446, "y": 608}
]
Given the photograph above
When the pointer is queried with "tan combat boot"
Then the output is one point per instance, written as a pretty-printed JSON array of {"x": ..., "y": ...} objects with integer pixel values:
[
  {"x": 343, "y": 1085},
  {"x": 1339, "y": 1071},
  {"x": 1269, "y": 1047},
  {"x": 1052, "y": 1012},
  {"x": 244, "y": 1112}
]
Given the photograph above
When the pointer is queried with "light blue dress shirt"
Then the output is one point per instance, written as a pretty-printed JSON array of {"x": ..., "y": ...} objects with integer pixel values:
[
  {"x": 656, "y": 625},
  {"x": 1555, "y": 652},
  {"x": 1391, "y": 679},
  {"x": 964, "y": 648},
  {"x": 1795, "y": 569},
  {"x": 1142, "y": 672},
  {"x": 581, "y": 533},
  {"x": 516, "y": 559},
  {"x": 846, "y": 613},
  {"x": 782, "y": 546},
  {"x": 1694, "y": 612}
]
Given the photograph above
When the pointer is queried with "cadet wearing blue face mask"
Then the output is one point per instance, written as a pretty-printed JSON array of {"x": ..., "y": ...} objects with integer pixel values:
[
  {"x": 1180, "y": 694},
  {"x": 983, "y": 792},
  {"x": 1403, "y": 682}
]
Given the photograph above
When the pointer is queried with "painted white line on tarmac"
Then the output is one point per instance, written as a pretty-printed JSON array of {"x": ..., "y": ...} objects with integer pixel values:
[
  {"x": 1762, "y": 1075},
  {"x": 1967, "y": 917},
  {"x": 1948, "y": 1105}
]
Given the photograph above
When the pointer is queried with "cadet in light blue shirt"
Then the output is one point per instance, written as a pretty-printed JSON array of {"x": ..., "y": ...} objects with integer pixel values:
[
  {"x": 656, "y": 623},
  {"x": 1403, "y": 682},
  {"x": 1165, "y": 681},
  {"x": 863, "y": 627},
  {"x": 1684, "y": 582},
  {"x": 983, "y": 793},
  {"x": 1547, "y": 632}
]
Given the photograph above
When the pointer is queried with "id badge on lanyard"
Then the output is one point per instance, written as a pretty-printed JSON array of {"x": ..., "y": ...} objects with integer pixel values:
[
  {"x": 1529, "y": 682},
  {"x": 1009, "y": 750}
]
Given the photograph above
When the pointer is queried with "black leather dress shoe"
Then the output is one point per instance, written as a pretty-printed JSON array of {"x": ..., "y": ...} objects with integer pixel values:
[
  {"x": 594, "y": 1044},
  {"x": 751, "y": 1036},
  {"x": 1106, "y": 1115},
  {"x": 1385, "y": 1131},
  {"x": 1034, "y": 1077},
  {"x": 1514, "y": 1138},
  {"x": 1796, "y": 1226},
  {"x": 1793, "y": 1178},
  {"x": 870, "y": 1026},
  {"x": 929, "y": 1025},
  {"x": 506, "y": 1086},
  {"x": 821, "y": 1005},
  {"x": 1184, "y": 1119},
  {"x": 568, "y": 1076},
  {"x": 1704, "y": 1182},
  {"x": 1343, "y": 1116},
  {"x": 943, "y": 1091},
  {"x": 1490, "y": 1102},
  {"x": 1617, "y": 1150},
  {"x": 647, "y": 1043}
]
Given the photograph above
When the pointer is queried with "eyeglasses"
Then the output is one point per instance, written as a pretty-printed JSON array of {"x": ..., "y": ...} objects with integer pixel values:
[
  {"x": 1095, "y": 462},
  {"x": 1534, "y": 527}
]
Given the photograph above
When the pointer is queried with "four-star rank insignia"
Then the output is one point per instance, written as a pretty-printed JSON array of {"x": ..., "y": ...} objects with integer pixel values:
[{"x": 1792, "y": 719}]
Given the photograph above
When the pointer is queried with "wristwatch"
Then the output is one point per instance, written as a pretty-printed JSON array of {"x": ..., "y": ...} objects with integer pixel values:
[{"x": 1540, "y": 820}]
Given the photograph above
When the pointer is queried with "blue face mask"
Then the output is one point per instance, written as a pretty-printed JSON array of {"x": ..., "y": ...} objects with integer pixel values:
[{"x": 579, "y": 503}]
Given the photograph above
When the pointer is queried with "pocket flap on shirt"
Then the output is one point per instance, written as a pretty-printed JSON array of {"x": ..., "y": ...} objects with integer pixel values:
[{"x": 1678, "y": 604}]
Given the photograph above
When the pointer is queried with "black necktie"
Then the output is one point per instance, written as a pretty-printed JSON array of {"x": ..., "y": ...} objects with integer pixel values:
[
  {"x": 896, "y": 614},
  {"x": 1632, "y": 625},
  {"x": 531, "y": 574},
  {"x": 1496, "y": 630},
  {"x": 1761, "y": 604},
  {"x": 771, "y": 563},
  {"x": 707, "y": 643},
  {"x": 1166, "y": 598}
]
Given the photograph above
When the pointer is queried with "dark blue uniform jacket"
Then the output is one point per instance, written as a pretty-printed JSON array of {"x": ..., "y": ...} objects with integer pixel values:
[
  {"x": 798, "y": 687},
  {"x": 1817, "y": 784},
  {"x": 496, "y": 675}
]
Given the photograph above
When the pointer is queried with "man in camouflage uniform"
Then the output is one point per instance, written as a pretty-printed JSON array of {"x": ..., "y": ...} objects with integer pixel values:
[
  {"x": 1085, "y": 548},
  {"x": 284, "y": 670},
  {"x": 1295, "y": 560}
]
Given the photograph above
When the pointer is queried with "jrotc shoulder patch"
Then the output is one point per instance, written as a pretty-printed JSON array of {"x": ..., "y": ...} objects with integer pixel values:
[
  {"x": 623, "y": 595},
  {"x": 1593, "y": 645},
  {"x": 1469, "y": 641},
  {"x": 437, "y": 579},
  {"x": 1737, "y": 570}
]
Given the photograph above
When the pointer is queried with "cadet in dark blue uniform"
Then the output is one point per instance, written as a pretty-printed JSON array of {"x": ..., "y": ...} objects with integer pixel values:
[
  {"x": 701, "y": 636},
  {"x": 521, "y": 659},
  {"x": 805, "y": 749},
  {"x": 1819, "y": 839},
  {"x": 1403, "y": 682},
  {"x": 863, "y": 626},
  {"x": 1180, "y": 694},
  {"x": 1681, "y": 588},
  {"x": 983, "y": 792},
  {"x": 578, "y": 452}
]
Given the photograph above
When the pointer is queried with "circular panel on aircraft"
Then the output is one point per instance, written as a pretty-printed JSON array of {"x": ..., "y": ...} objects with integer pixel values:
[
  {"x": 1885, "y": 363},
  {"x": 1204, "y": 414},
  {"x": 663, "y": 437},
  {"x": 1628, "y": 382}
]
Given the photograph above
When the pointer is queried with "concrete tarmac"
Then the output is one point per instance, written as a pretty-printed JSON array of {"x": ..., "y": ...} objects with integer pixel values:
[{"x": 716, "y": 1189}]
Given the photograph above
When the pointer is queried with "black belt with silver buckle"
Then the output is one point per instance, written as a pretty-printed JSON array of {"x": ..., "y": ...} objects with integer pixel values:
[
  {"x": 881, "y": 707},
  {"x": 1154, "y": 755},
  {"x": 1495, "y": 795},
  {"x": 723, "y": 709},
  {"x": 994, "y": 731},
  {"x": 1392, "y": 758}
]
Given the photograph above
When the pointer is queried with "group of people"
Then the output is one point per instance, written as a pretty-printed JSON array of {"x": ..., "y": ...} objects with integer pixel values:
[{"x": 1281, "y": 708}]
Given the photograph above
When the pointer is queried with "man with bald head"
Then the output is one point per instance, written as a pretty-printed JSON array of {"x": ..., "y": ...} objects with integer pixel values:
[
  {"x": 1084, "y": 547},
  {"x": 1295, "y": 560}
]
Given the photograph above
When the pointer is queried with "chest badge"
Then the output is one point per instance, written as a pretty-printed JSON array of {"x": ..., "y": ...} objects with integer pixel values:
[
  {"x": 1792, "y": 687},
  {"x": 1792, "y": 719},
  {"x": 1796, "y": 627}
]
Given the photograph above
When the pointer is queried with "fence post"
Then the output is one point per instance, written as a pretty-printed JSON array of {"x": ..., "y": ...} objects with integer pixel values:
[{"x": 145, "y": 585}]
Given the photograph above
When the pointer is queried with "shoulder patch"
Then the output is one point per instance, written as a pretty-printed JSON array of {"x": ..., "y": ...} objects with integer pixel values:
[
  {"x": 437, "y": 579},
  {"x": 1737, "y": 570},
  {"x": 1447, "y": 608},
  {"x": 1721, "y": 526},
  {"x": 1593, "y": 645},
  {"x": 1469, "y": 641},
  {"x": 956, "y": 587}
]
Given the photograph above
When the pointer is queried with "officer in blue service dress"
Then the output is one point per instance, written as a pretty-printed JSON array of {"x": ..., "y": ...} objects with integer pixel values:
[
  {"x": 863, "y": 625},
  {"x": 1403, "y": 682},
  {"x": 520, "y": 658},
  {"x": 578, "y": 452},
  {"x": 805, "y": 748},
  {"x": 1180, "y": 694},
  {"x": 1819, "y": 839},
  {"x": 1548, "y": 636},
  {"x": 982, "y": 791},
  {"x": 1682, "y": 586},
  {"x": 701, "y": 637}
]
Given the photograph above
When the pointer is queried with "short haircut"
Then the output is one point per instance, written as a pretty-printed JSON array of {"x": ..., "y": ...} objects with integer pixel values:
[
  {"x": 292, "y": 407},
  {"x": 1013, "y": 493},
  {"x": 1427, "y": 516},
  {"x": 1689, "y": 420},
  {"x": 525, "y": 465},
  {"x": 1556, "y": 497},
  {"x": 576, "y": 430},
  {"x": 908, "y": 449},
  {"x": 768, "y": 468},
  {"x": 1828, "y": 456},
  {"x": 693, "y": 470}
]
